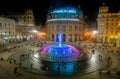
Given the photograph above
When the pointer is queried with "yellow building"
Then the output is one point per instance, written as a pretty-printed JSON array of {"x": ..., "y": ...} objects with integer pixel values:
[
  {"x": 24, "y": 19},
  {"x": 69, "y": 22},
  {"x": 24, "y": 24},
  {"x": 108, "y": 24}
]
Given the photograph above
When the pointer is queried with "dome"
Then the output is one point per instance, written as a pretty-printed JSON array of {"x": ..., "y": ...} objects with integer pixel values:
[{"x": 65, "y": 13}]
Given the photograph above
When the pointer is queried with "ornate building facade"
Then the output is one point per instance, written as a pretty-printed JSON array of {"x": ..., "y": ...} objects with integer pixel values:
[
  {"x": 7, "y": 29},
  {"x": 108, "y": 25},
  {"x": 67, "y": 21},
  {"x": 24, "y": 19},
  {"x": 24, "y": 24}
]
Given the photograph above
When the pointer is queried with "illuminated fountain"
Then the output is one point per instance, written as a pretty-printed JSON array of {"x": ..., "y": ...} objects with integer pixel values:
[
  {"x": 59, "y": 57},
  {"x": 59, "y": 52},
  {"x": 63, "y": 59}
]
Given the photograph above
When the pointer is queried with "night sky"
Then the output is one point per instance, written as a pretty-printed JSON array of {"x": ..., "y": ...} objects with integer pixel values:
[{"x": 41, "y": 7}]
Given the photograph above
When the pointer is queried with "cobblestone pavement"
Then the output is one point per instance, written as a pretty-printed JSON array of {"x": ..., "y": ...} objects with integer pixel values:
[{"x": 7, "y": 69}]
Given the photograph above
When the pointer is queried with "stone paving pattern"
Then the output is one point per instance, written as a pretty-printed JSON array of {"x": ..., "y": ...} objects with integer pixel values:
[{"x": 6, "y": 69}]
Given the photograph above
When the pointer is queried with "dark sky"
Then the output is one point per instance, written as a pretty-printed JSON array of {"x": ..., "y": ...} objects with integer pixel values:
[{"x": 41, "y": 7}]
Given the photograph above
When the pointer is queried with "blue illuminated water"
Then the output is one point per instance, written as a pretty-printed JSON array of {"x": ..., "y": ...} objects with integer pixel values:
[{"x": 60, "y": 52}]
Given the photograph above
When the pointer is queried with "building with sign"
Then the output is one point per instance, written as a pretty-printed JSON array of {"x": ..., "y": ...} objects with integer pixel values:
[{"x": 67, "y": 21}]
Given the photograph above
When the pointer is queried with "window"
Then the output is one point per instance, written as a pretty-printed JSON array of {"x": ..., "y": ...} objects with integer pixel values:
[
  {"x": 79, "y": 29},
  {"x": 5, "y": 24},
  {"x": 58, "y": 28},
  {"x": 5, "y": 33},
  {"x": 64, "y": 28},
  {"x": 13, "y": 33},
  {"x": 70, "y": 28},
  {"x": 9, "y": 25},
  {"x": 75, "y": 27},
  {"x": 0, "y": 24},
  {"x": 13, "y": 25},
  {"x": 107, "y": 23},
  {"x": 9, "y": 33}
]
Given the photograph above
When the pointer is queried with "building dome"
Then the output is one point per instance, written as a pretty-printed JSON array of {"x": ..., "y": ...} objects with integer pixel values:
[
  {"x": 103, "y": 8},
  {"x": 67, "y": 21},
  {"x": 65, "y": 13}
]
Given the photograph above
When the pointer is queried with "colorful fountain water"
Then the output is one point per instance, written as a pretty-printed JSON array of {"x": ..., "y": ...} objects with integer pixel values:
[{"x": 59, "y": 52}]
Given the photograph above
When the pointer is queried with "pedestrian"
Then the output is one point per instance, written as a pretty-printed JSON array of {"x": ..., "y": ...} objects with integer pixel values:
[
  {"x": 15, "y": 70},
  {"x": 31, "y": 66},
  {"x": 20, "y": 64},
  {"x": 58, "y": 69},
  {"x": 109, "y": 72},
  {"x": 100, "y": 72}
]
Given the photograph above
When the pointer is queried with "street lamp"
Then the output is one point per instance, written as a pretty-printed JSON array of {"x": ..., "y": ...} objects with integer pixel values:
[
  {"x": 95, "y": 32},
  {"x": 34, "y": 31}
]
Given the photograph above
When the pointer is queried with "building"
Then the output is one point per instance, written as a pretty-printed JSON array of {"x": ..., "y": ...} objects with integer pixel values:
[
  {"x": 67, "y": 21},
  {"x": 24, "y": 19},
  {"x": 7, "y": 29},
  {"x": 108, "y": 25},
  {"x": 24, "y": 23}
]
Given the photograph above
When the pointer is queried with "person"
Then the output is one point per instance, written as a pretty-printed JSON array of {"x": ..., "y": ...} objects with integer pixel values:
[
  {"x": 58, "y": 69},
  {"x": 15, "y": 70},
  {"x": 100, "y": 72},
  {"x": 19, "y": 64},
  {"x": 109, "y": 72},
  {"x": 31, "y": 65}
]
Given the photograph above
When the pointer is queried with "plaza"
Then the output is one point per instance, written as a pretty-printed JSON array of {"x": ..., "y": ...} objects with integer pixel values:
[{"x": 93, "y": 70}]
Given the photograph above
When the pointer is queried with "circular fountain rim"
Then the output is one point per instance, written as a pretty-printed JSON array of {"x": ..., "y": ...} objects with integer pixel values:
[{"x": 76, "y": 53}]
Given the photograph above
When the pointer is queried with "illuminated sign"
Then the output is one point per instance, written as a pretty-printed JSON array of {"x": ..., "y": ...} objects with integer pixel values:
[
  {"x": 63, "y": 19},
  {"x": 65, "y": 11}
]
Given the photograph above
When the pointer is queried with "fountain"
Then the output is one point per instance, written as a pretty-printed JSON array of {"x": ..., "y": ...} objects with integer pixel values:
[
  {"x": 59, "y": 52},
  {"x": 61, "y": 59}
]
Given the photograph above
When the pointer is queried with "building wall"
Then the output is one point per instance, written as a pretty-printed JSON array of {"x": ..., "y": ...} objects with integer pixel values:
[
  {"x": 70, "y": 25},
  {"x": 107, "y": 25},
  {"x": 7, "y": 28},
  {"x": 25, "y": 19}
]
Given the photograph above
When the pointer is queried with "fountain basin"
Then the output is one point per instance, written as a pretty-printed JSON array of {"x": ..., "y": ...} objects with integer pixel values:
[{"x": 54, "y": 52}]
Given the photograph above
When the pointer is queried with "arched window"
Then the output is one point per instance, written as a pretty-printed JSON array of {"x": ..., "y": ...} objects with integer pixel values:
[
  {"x": 58, "y": 28},
  {"x": 75, "y": 27},
  {"x": 53, "y": 37},
  {"x": 75, "y": 37},
  {"x": 64, "y": 28},
  {"x": 64, "y": 37},
  {"x": 70, "y": 37},
  {"x": 9, "y": 32},
  {"x": 70, "y": 28}
]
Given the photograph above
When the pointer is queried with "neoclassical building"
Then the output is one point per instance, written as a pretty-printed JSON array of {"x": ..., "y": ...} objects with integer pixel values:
[
  {"x": 24, "y": 19},
  {"x": 24, "y": 23},
  {"x": 108, "y": 25},
  {"x": 7, "y": 29},
  {"x": 67, "y": 21}
]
